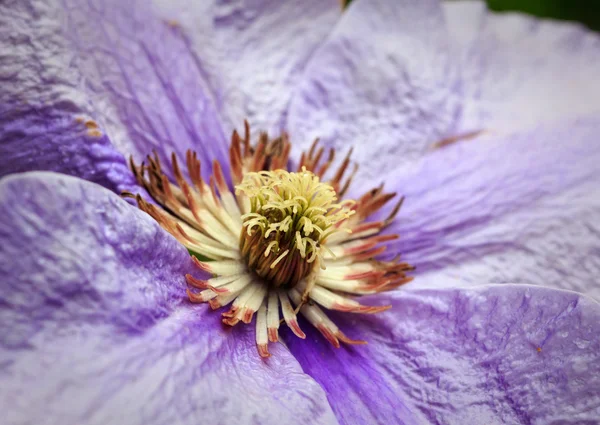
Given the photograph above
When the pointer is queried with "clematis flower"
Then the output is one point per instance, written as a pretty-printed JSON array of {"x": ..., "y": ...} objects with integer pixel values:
[{"x": 486, "y": 124}]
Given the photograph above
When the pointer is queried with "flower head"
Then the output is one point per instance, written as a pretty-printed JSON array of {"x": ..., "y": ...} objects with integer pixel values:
[
  {"x": 444, "y": 102},
  {"x": 280, "y": 243}
]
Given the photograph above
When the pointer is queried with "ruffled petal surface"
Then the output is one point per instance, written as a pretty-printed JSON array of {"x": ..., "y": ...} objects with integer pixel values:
[
  {"x": 506, "y": 208},
  {"x": 146, "y": 81},
  {"x": 162, "y": 77},
  {"x": 497, "y": 354},
  {"x": 253, "y": 51},
  {"x": 95, "y": 330},
  {"x": 518, "y": 71},
  {"x": 46, "y": 121},
  {"x": 381, "y": 83}
]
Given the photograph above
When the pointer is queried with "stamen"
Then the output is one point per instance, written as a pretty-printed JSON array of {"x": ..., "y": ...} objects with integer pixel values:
[
  {"x": 279, "y": 235},
  {"x": 262, "y": 341},
  {"x": 273, "y": 316}
]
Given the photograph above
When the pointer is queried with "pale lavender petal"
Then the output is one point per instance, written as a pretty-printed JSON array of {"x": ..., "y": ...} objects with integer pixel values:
[
  {"x": 112, "y": 64},
  {"x": 96, "y": 329},
  {"x": 46, "y": 122},
  {"x": 518, "y": 71},
  {"x": 520, "y": 208},
  {"x": 145, "y": 80},
  {"x": 382, "y": 82},
  {"x": 499, "y": 354},
  {"x": 254, "y": 51}
]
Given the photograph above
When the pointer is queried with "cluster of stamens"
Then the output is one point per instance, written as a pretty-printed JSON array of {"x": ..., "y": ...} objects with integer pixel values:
[
  {"x": 280, "y": 243},
  {"x": 291, "y": 215}
]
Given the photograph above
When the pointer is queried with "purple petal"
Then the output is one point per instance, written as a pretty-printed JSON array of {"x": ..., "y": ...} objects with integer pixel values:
[
  {"x": 518, "y": 71},
  {"x": 254, "y": 51},
  {"x": 96, "y": 329},
  {"x": 381, "y": 83},
  {"x": 113, "y": 64},
  {"x": 46, "y": 122},
  {"x": 519, "y": 208},
  {"x": 493, "y": 355},
  {"x": 145, "y": 79}
]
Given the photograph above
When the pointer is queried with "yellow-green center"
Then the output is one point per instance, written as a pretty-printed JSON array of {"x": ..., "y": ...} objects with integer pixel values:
[{"x": 291, "y": 215}]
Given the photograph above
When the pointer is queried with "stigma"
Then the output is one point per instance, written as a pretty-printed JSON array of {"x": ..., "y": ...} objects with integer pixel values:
[{"x": 275, "y": 241}]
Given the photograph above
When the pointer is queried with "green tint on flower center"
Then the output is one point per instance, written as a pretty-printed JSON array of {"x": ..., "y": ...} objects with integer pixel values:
[{"x": 291, "y": 215}]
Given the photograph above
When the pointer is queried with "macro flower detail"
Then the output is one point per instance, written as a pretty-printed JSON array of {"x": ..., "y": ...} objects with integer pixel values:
[
  {"x": 281, "y": 243},
  {"x": 500, "y": 324}
]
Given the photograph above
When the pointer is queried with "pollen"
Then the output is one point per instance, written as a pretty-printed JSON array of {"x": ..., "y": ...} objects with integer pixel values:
[
  {"x": 291, "y": 216},
  {"x": 273, "y": 242}
]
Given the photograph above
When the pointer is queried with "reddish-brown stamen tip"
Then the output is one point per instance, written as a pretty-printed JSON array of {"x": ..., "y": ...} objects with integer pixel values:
[
  {"x": 214, "y": 304},
  {"x": 263, "y": 350},
  {"x": 330, "y": 336},
  {"x": 296, "y": 329},
  {"x": 202, "y": 266},
  {"x": 196, "y": 283},
  {"x": 247, "y": 316},
  {"x": 273, "y": 336},
  {"x": 231, "y": 321},
  {"x": 231, "y": 312},
  {"x": 218, "y": 290},
  {"x": 195, "y": 298}
]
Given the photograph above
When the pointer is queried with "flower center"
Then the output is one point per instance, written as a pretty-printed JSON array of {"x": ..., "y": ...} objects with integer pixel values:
[
  {"x": 280, "y": 244},
  {"x": 291, "y": 215}
]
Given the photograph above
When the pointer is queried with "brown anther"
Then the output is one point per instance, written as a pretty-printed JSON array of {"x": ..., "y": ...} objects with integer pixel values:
[
  {"x": 246, "y": 138},
  {"x": 394, "y": 211},
  {"x": 273, "y": 336},
  {"x": 247, "y": 315},
  {"x": 231, "y": 321},
  {"x": 321, "y": 172},
  {"x": 263, "y": 350},
  {"x": 195, "y": 298},
  {"x": 231, "y": 313},
  {"x": 335, "y": 182},
  {"x": 346, "y": 185},
  {"x": 201, "y": 265},
  {"x": 259, "y": 155},
  {"x": 214, "y": 304},
  {"x": 293, "y": 324},
  {"x": 219, "y": 177},
  {"x": 367, "y": 255},
  {"x": 196, "y": 283},
  {"x": 329, "y": 335}
]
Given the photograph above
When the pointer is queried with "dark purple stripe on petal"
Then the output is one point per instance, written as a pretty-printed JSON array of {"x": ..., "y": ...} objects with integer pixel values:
[
  {"x": 493, "y": 355},
  {"x": 72, "y": 248},
  {"x": 46, "y": 122},
  {"x": 95, "y": 329},
  {"x": 145, "y": 81}
]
